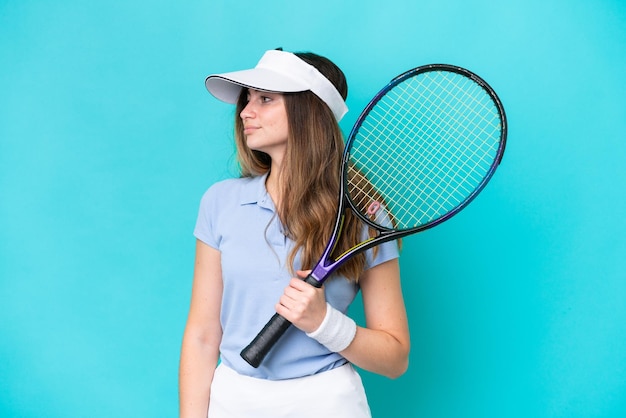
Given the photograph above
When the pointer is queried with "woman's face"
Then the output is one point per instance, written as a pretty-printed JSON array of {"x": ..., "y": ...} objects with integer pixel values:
[{"x": 265, "y": 124}]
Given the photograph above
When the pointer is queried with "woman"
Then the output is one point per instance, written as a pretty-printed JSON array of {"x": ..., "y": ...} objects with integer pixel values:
[{"x": 258, "y": 235}]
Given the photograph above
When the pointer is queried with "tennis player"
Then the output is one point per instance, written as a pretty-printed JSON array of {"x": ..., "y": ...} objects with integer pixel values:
[{"x": 257, "y": 237}]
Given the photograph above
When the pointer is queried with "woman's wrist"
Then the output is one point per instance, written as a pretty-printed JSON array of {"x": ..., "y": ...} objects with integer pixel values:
[{"x": 336, "y": 331}]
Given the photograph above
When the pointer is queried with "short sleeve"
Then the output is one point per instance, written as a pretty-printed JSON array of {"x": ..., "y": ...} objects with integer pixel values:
[
  {"x": 381, "y": 253},
  {"x": 205, "y": 223}
]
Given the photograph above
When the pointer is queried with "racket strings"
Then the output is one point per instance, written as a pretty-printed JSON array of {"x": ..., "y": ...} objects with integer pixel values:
[
  {"x": 462, "y": 109},
  {"x": 363, "y": 192},
  {"x": 425, "y": 146},
  {"x": 438, "y": 159}
]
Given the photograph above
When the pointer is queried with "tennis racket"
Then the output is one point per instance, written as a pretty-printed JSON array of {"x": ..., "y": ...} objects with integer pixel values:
[{"x": 420, "y": 152}]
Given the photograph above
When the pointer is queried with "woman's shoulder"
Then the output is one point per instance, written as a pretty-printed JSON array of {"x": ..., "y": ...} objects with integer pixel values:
[
  {"x": 231, "y": 187},
  {"x": 230, "y": 183}
]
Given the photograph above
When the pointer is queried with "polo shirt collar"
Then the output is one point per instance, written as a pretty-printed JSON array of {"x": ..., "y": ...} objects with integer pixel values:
[{"x": 255, "y": 192}]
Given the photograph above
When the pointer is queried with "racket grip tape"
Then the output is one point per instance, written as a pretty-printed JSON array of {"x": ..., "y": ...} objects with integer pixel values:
[
  {"x": 256, "y": 351},
  {"x": 313, "y": 281}
]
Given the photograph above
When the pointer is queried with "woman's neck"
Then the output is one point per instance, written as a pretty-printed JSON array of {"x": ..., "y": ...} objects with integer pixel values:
[{"x": 273, "y": 186}]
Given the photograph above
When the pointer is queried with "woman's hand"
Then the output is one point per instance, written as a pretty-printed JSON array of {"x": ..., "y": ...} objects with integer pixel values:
[{"x": 302, "y": 304}]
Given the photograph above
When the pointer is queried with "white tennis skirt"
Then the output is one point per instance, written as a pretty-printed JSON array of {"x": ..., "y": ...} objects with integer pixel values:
[{"x": 337, "y": 393}]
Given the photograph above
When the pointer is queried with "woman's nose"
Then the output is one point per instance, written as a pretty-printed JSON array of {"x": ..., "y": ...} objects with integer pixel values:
[{"x": 247, "y": 112}]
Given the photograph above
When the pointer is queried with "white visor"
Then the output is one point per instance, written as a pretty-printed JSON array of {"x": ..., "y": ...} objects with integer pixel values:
[{"x": 278, "y": 72}]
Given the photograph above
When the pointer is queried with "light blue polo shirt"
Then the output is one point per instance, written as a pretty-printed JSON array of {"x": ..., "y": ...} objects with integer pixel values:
[{"x": 238, "y": 218}]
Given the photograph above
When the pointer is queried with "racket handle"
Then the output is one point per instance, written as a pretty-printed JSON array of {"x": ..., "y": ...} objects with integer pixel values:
[{"x": 256, "y": 351}]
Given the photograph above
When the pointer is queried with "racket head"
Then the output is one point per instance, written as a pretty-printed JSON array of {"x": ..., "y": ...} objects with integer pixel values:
[{"x": 422, "y": 149}]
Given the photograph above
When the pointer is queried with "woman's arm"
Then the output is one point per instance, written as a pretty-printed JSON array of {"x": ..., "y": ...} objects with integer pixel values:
[
  {"x": 203, "y": 333},
  {"x": 383, "y": 345}
]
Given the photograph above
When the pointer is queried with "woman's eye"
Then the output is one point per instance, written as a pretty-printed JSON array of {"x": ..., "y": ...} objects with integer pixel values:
[{"x": 266, "y": 99}]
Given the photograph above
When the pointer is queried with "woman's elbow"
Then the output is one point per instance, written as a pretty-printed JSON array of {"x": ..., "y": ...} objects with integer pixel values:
[
  {"x": 400, "y": 369},
  {"x": 400, "y": 364}
]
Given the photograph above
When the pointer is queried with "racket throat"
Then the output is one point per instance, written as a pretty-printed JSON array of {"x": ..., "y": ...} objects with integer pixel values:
[{"x": 320, "y": 273}]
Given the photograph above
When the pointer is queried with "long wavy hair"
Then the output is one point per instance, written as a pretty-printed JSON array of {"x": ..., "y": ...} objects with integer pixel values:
[{"x": 310, "y": 174}]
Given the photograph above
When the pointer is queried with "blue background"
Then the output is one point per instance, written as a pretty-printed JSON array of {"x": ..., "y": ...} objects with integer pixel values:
[{"x": 517, "y": 306}]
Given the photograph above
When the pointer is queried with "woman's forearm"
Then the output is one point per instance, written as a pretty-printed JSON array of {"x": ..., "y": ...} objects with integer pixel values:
[
  {"x": 378, "y": 352},
  {"x": 197, "y": 364}
]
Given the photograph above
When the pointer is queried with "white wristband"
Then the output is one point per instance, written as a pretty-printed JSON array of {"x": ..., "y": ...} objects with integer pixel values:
[{"x": 336, "y": 331}]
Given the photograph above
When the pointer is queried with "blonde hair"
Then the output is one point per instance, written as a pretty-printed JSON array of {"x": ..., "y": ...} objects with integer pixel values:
[{"x": 310, "y": 174}]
